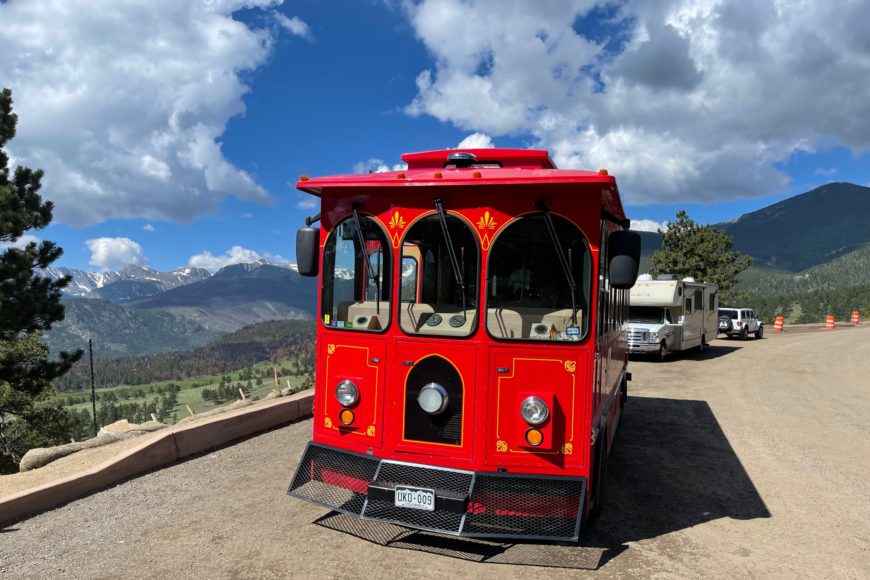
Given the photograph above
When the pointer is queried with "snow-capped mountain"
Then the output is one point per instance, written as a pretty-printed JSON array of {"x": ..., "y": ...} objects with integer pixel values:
[{"x": 130, "y": 283}]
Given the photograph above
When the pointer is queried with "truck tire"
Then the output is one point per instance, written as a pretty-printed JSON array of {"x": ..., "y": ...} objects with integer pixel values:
[
  {"x": 599, "y": 478},
  {"x": 760, "y": 332},
  {"x": 729, "y": 326},
  {"x": 744, "y": 334},
  {"x": 662, "y": 352}
]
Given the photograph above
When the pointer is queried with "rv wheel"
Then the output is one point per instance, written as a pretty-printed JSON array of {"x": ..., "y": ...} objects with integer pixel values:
[{"x": 662, "y": 352}]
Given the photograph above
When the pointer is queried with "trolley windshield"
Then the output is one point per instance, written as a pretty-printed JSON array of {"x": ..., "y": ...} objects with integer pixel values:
[{"x": 528, "y": 293}]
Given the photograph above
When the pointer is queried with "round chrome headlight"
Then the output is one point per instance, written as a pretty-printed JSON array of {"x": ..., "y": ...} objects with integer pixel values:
[
  {"x": 433, "y": 398},
  {"x": 346, "y": 393},
  {"x": 534, "y": 411}
]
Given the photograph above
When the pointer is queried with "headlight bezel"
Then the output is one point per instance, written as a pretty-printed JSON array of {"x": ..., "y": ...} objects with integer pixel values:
[
  {"x": 424, "y": 395},
  {"x": 349, "y": 387},
  {"x": 538, "y": 417}
]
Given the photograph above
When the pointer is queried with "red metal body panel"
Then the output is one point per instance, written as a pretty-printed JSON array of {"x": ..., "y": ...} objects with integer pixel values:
[{"x": 576, "y": 378}]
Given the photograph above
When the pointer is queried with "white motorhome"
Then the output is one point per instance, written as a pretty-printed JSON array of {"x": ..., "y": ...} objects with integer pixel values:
[{"x": 668, "y": 315}]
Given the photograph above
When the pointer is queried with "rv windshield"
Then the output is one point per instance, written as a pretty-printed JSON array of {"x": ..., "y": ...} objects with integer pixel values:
[{"x": 646, "y": 314}]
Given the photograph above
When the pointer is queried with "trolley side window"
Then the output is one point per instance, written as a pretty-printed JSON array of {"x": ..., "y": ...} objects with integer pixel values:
[
  {"x": 528, "y": 296},
  {"x": 432, "y": 301},
  {"x": 356, "y": 277}
]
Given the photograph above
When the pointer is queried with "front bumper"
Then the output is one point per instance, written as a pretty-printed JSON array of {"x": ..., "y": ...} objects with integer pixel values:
[
  {"x": 642, "y": 347},
  {"x": 467, "y": 503}
]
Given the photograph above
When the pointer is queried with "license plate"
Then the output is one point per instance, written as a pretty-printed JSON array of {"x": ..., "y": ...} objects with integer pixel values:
[{"x": 417, "y": 498}]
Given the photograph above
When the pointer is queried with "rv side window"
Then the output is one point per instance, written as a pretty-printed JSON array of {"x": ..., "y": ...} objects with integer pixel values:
[
  {"x": 712, "y": 305},
  {"x": 688, "y": 305}
]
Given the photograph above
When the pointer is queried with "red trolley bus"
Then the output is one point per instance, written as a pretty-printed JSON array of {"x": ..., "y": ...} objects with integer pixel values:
[{"x": 471, "y": 364}]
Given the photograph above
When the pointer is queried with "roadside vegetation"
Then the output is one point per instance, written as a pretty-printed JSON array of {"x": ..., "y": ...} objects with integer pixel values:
[{"x": 169, "y": 401}]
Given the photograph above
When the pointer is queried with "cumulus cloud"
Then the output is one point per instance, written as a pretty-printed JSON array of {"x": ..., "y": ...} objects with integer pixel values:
[
  {"x": 148, "y": 228},
  {"x": 115, "y": 253},
  {"x": 648, "y": 226},
  {"x": 124, "y": 103},
  {"x": 20, "y": 243},
  {"x": 680, "y": 99},
  {"x": 377, "y": 166},
  {"x": 476, "y": 141},
  {"x": 235, "y": 255}
]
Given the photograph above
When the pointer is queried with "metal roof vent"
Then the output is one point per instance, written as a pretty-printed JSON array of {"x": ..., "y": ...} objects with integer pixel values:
[{"x": 461, "y": 159}]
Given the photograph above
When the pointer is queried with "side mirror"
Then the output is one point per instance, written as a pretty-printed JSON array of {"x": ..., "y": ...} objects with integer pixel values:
[
  {"x": 308, "y": 251},
  {"x": 624, "y": 259}
]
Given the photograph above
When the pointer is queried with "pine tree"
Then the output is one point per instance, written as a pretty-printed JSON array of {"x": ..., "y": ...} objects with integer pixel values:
[
  {"x": 703, "y": 253},
  {"x": 29, "y": 305}
]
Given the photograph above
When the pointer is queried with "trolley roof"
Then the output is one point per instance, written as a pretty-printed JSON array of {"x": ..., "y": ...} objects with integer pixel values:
[{"x": 467, "y": 167}]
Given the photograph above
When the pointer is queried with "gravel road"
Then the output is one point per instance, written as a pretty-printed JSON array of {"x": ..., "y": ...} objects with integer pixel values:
[{"x": 749, "y": 460}]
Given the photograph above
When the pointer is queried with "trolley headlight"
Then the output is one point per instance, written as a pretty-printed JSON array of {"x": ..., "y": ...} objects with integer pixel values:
[
  {"x": 433, "y": 398},
  {"x": 534, "y": 411},
  {"x": 347, "y": 393}
]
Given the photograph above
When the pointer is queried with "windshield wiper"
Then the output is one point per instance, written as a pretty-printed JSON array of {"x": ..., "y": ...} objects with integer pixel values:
[
  {"x": 371, "y": 274},
  {"x": 560, "y": 254},
  {"x": 454, "y": 263}
]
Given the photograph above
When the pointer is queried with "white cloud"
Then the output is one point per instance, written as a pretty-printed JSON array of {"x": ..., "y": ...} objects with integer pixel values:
[
  {"x": 246, "y": 215},
  {"x": 680, "y": 99},
  {"x": 124, "y": 103},
  {"x": 235, "y": 255},
  {"x": 826, "y": 172},
  {"x": 476, "y": 141},
  {"x": 148, "y": 228},
  {"x": 377, "y": 166},
  {"x": 294, "y": 25},
  {"x": 309, "y": 202},
  {"x": 115, "y": 253},
  {"x": 648, "y": 226},
  {"x": 20, "y": 243}
]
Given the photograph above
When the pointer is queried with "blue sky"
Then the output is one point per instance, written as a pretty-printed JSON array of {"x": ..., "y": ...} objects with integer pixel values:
[{"x": 172, "y": 136}]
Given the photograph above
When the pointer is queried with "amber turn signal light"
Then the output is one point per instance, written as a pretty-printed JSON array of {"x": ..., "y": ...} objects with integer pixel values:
[
  {"x": 346, "y": 416},
  {"x": 534, "y": 437}
]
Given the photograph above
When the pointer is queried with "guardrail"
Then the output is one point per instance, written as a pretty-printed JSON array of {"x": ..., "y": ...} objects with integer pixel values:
[{"x": 163, "y": 448}]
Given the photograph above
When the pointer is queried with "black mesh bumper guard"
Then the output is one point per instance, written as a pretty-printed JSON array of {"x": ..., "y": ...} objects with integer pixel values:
[{"x": 467, "y": 503}]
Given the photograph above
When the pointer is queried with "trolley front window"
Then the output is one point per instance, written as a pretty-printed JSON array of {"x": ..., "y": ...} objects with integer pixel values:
[
  {"x": 528, "y": 293},
  {"x": 435, "y": 304},
  {"x": 356, "y": 277}
]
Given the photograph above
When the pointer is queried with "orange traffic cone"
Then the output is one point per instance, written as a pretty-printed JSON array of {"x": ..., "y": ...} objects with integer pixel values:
[
  {"x": 856, "y": 317},
  {"x": 829, "y": 323},
  {"x": 777, "y": 325}
]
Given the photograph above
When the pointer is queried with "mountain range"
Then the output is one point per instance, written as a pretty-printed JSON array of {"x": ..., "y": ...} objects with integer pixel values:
[
  {"x": 141, "y": 311},
  {"x": 129, "y": 284}
]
